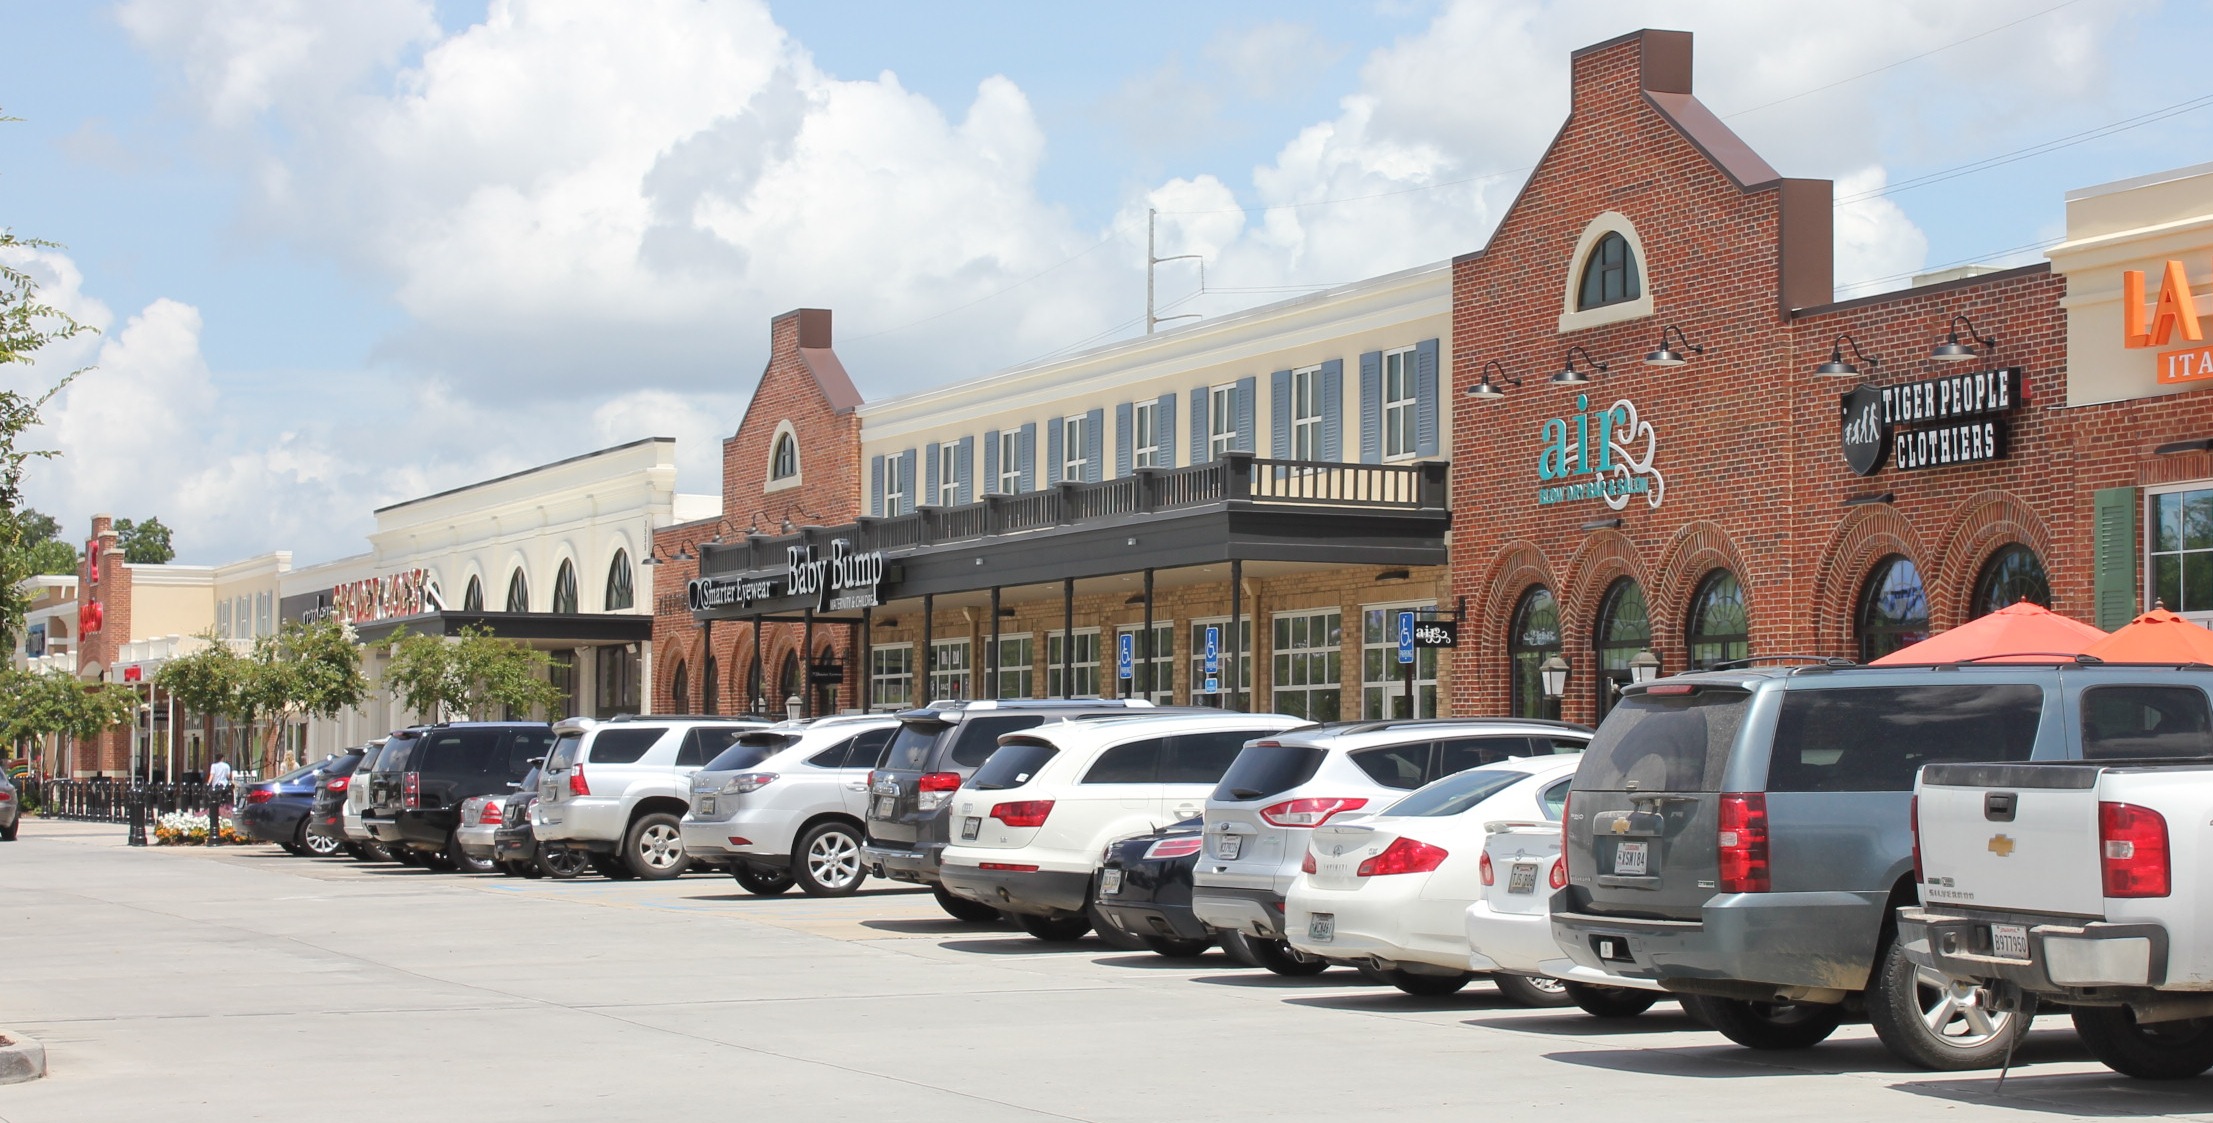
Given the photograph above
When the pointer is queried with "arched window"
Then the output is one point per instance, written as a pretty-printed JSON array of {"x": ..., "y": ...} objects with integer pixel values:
[
  {"x": 1609, "y": 274},
  {"x": 712, "y": 687},
  {"x": 783, "y": 461},
  {"x": 2013, "y": 574},
  {"x": 619, "y": 594},
  {"x": 826, "y": 694},
  {"x": 1624, "y": 629},
  {"x": 1535, "y": 637},
  {"x": 1719, "y": 630},
  {"x": 472, "y": 598},
  {"x": 564, "y": 588},
  {"x": 680, "y": 688},
  {"x": 787, "y": 682},
  {"x": 518, "y": 593},
  {"x": 1894, "y": 609}
]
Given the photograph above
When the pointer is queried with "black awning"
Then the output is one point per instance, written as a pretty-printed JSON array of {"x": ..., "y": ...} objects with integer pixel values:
[{"x": 582, "y": 628}]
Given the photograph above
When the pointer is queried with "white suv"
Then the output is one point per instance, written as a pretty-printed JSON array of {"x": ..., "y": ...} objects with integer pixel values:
[
  {"x": 784, "y": 807},
  {"x": 617, "y": 789},
  {"x": 1259, "y": 819},
  {"x": 1029, "y": 827}
]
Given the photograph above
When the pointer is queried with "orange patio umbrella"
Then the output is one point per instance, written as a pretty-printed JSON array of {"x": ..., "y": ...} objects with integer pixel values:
[
  {"x": 2158, "y": 636},
  {"x": 2018, "y": 633}
]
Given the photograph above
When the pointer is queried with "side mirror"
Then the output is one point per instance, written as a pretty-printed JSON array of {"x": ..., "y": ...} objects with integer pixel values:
[{"x": 537, "y": 762}]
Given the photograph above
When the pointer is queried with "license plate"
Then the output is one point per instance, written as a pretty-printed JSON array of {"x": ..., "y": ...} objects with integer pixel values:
[
  {"x": 2009, "y": 941},
  {"x": 1524, "y": 879},
  {"x": 1110, "y": 881},
  {"x": 1227, "y": 846},
  {"x": 1321, "y": 927},
  {"x": 969, "y": 827},
  {"x": 1630, "y": 858},
  {"x": 705, "y": 806},
  {"x": 887, "y": 807}
]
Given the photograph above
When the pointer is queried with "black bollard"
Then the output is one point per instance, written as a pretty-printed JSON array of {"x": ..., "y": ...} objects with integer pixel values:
[{"x": 138, "y": 816}]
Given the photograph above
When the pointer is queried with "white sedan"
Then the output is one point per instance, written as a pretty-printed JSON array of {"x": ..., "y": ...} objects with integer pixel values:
[
  {"x": 1510, "y": 926},
  {"x": 1389, "y": 893}
]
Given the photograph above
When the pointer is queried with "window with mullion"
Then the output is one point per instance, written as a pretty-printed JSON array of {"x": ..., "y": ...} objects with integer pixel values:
[
  {"x": 1017, "y": 666},
  {"x": 1010, "y": 461},
  {"x": 1074, "y": 457},
  {"x": 1309, "y": 679},
  {"x": 1306, "y": 414},
  {"x": 1400, "y": 407},
  {"x": 1383, "y": 677},
  {"x": 1083, "y": 669},
  {"x": 891, "y": 676},
  {"x": 2180, "y": 536},
  {"x": 1221, "y": 421},
  {"x": 1145, "y": 435},
  {"x": 949, "y": 667},
  {"x": 896, "y": 485}
]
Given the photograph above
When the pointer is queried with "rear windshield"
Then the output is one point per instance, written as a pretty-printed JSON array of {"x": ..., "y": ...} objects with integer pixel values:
[
  {"x": 1874, "y": 738},
  {"x": 342, "y": 765},
  {"x": 564, "y": 751},
  {"x": 1456, "y": 793},
  {"x": 910, "y": 750},
  {"x": 979, "y": 737},
  {"x": 744, "y": 754},
  {"x": 622, "y": 746},
  {"x": 2121, "y": 722},
  {"x": 1012, "y": 766},
  {"x": 396, "y": 754},
  {"x": 1261, "y": 771},
  {"x": 1664, "y": 743}
]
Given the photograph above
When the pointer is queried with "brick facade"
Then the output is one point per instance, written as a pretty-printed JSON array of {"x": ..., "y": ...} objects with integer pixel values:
[{"x": 105, "y": 579}]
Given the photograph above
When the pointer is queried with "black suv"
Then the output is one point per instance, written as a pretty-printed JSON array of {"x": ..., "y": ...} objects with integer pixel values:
[
  {"x": 936, "y": 749},
  {"x": 425, "y": 773}
]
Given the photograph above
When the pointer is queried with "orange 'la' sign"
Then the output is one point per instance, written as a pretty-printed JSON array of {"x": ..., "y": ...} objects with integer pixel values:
[{"x": 2175, "y": 308}]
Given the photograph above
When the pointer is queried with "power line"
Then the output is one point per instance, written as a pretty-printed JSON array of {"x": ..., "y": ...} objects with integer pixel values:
[
  {"x": 1900, "y": 62},
  {"x": 1978, "y": 259},
  {"x": 2111, "y": 128}
]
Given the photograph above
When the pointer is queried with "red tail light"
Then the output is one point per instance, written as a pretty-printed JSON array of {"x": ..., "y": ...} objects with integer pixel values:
[
  {"x": 6, "y": 795},
  {"x": 578, "y": 785},
  {"x": 1173, "y": 848},
  {"x": 2133, "y": 850},
  {"x": 1027, "y": 813},
  {"x": 489, "y": 815},
  {"x": 1567, "y": 801},
  {"x": 1483, "y": 870},
  {"x": 1559, "y": 877},
  {"x": 260, "y": 795},
  {"x": 1306, "y": 864},
  {"x": 1308, "y": 812},
  {"x": 939, "y": 782},
  {"x": 1913, "y": 819},
  {"x": 340, "y": 783},
  {"x": 1403, "y": 856},
  {"x": 1743, "y": 843},
  {"x": 411, "y": 790},
  {"x": 1006, "y": 867}
]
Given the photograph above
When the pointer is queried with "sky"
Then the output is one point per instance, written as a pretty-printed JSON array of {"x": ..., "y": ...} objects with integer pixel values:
[{"x": 341, "y": 253}]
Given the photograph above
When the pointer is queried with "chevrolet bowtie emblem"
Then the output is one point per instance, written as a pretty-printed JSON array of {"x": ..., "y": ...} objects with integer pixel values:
[
  {"x": 1621, "y": 826},
  {"x": 2001, "y": 845}
]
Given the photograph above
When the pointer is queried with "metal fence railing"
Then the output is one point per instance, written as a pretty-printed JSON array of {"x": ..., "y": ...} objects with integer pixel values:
[{"x": 110, "y": 800}]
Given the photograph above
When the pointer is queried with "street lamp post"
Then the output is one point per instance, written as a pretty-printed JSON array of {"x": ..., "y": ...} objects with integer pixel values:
[{"x": 1553, "y": 672}]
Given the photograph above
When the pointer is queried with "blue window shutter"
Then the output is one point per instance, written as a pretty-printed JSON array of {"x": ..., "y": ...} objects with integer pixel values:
[
  {"x": 1053, "y": 458},
  {"x": 876, "y": 487},
  {"x": 1198, "y": 425},
  {"x": 907, "y": 460},
  {"x": 1425, "y": 398},
  {"x": 1029, "y": 456},
  {"x": 967, "y": 481},
  {"x": 929, "y": 473},
  {"x": 1125, "y": 443},
  {"x": 1247, "y": 389},
  {"x": 1279, "y": 415},
  {"x": 1164, "y": 419},
  {"x": 991, "y": 462},
  {"x": 1094, "y": 444},
  {"x": 1371, "y": 407},
  {"x": 1333, "y": 410}
]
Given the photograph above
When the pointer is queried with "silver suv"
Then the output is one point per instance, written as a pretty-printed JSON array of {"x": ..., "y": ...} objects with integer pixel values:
[
  {"x": 1280, "y": 788},
  {"x": 618, "y": 789}
]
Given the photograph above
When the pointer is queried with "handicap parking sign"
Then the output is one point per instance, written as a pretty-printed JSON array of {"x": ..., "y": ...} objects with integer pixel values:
[
  {"x": 1405, "y": 637},
  {"x": 1128, "y": 658},
  {"x": 1213, "y": 651}
]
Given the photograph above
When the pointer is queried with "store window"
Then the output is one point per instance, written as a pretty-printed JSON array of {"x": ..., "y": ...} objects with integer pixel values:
[
  {"x": 787, "y": 682},
  {"x": 1152, "y": 670},
  {"x": 783, "y": 463},
  {"x": 1609, "y": 274},
  {"x": 1382, "y": 676},
  {"x": 618, "y": 680},
  {"x": 1720, "y": 629},
  {"x": 1231, "y": 695},
  {"x": 1145, "y": 434},
  {"x": 1010, "y": 461},
  {"x": 518, "y": 592},
  {"x": 1221, "y": 421},
  {"x": 620, "y": 595},
  {"x": 564, "y": 588},
  {"x": 1894, "y": 609},
  {"x": 472, "y": 598},
  {"x": 949, "y": 670},
  {"x": 1401, "y": 405},
  {"x": 1075, "y": 458},
  {"x": 680, "y": 688},
  {"x": 891, "y": 676},
  {"x": 1017, "y": 667},
  {"x": 2180, "y": 533},
  {"x": 2013, "y": 574},
  {"x": 1624, "y": 629},
  {"x": 1309, "y": 678},
  {"x": 561, "y": 673},
  {"x": 1306, "y": 414},
  {"x": 1533, "y": 638},
  {"x": 1083, "y": 677}
]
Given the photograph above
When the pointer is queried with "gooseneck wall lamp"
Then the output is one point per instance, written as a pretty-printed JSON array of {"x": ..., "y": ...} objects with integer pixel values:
[
  {"x": 1489, "y": 391},
  {"x": 1570, "y": 376},
  {"x": 1553, "y": 673},
  {"x": 1836, "y": 367},
  {"x": 1953, "y": 351},
  {"x": 1668, "y": 357}
]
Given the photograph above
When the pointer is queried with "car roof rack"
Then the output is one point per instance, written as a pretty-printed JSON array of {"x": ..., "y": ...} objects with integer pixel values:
[
  {"x": 686, "y": 717},
  {"x": 1755, "y": 661}
]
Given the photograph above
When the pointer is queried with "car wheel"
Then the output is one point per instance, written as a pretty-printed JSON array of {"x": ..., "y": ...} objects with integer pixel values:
[
  {"x": 963, "y": 909},
  {"x": 1177, "y": 947},
  {"x": 654, "y": 848},
  {"x": 1427, "y": 986},
  {"x": 827, "y": 861},
  {"x": 404, "y": 855},
  {"x": 1055, "y": 929},
  {"x": 507, "y": 868},
  {"x": 1928, "y": 1019},
  {"x": 1767, "y": 1025},
  {"x": 562, "y": 863},
  {"x": 319, "y": 845},
  {"x": 1275, "y": 955},
  {"x": 458, "y": 859},
  {"x": 1532, "y": 990},
  {"x": 371, "y": 852},
  {"x": 1609, "y": 1002},
  {"x": 760, "y": 882},
  {"x": 292, "y": 848},
  {"x": 7, "y": 833},
  {"x": 1110, "y": 933},
  {"x": 2159, "y": 1051},
  {"x": 610, "y": 866}
]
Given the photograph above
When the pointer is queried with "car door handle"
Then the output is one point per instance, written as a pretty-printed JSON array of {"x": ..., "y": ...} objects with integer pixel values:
[{"x": 857, "y": 786}]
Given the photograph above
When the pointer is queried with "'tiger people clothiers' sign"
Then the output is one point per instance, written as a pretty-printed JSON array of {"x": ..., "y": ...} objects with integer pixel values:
[
  {"x": 1602, "y": 444},
  {"x": 1964, "y": 409},
  {"x": 844, "y": 580}
]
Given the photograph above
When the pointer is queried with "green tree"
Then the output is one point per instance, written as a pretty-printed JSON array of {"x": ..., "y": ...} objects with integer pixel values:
[
  {"x": 49, "y": 553},
  {"x": 213, "y": 681},
  {"x": 473, "y": 675},
  {"x": 305, "y": 670},
  {"x": 145, "y": 543},
  {"x": 45, "y": 703},
  {"x": 27, "y": 325}
]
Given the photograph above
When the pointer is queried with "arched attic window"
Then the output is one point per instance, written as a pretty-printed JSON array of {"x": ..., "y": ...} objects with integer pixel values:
[
  {"x": 472, "y": 598},
  {"x": 1610, "y": 274},
  {"x": 783, "y": 463}
]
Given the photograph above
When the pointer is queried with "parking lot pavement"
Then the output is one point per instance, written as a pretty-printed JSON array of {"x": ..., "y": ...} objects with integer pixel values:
[{"x": 240, "y": 983}]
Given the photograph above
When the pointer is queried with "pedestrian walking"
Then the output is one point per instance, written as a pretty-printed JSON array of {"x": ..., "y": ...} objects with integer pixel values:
[{"x": 218, "y": 797}]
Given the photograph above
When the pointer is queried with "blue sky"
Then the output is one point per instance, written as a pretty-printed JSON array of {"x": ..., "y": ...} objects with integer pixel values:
[{"x": 347, "y": 252}]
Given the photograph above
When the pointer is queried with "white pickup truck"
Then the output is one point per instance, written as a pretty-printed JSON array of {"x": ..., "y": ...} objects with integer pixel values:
[{"x": 2085, "y": 883}]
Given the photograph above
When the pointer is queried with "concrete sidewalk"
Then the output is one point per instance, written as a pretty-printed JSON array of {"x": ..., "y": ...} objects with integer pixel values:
[{"x": 331, "y": 989}]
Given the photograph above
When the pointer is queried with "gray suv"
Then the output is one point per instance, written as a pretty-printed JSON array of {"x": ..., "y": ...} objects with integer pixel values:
[{"x": 1744, "y": 838}]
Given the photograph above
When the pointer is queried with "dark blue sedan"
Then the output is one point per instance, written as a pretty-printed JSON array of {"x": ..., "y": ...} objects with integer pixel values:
[{"x": 276, "y": 811}]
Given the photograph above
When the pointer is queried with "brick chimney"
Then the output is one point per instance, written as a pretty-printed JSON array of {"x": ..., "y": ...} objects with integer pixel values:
[{"x": 1623, "y": 67}]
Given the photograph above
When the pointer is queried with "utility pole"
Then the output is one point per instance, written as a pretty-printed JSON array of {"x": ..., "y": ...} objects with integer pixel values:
[{"x": 1152, "y": 220}]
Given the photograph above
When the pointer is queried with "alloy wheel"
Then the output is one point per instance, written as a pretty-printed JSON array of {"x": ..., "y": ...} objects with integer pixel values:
[
  {"x": 322, "y": 845},
  {"x": 661, "y": 845},
  {"x": 834, "y": 859},
  {"x": 1955, "y": 1011}
]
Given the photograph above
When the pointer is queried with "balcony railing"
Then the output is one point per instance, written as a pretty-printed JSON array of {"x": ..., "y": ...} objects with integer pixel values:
[{"x": 1237, "y": 477}]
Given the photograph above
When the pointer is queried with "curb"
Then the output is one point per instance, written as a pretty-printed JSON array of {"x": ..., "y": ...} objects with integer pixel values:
[{"x": 21, "y": 1058}]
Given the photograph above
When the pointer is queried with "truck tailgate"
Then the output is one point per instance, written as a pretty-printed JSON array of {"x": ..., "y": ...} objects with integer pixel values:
[{"x": 2017, "y": 837}]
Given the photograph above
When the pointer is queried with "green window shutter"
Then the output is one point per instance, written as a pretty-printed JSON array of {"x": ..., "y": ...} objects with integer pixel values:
[{"x": 2115, "y": 573}]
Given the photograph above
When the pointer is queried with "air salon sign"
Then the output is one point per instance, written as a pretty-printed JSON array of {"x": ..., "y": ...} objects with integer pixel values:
[
  {"x": 1611, "y": 446},
  {"x": 1933, "y": 423},
  {"x": 844, "y": 580}
]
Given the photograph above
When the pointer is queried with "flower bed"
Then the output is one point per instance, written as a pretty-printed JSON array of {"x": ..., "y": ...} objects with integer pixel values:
[{"x": 185, "y": 828}]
